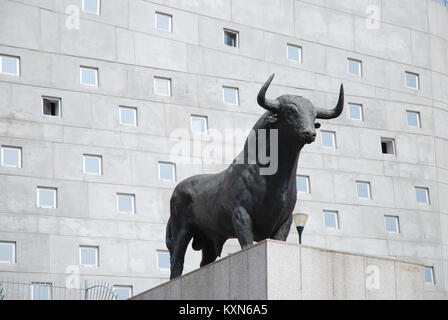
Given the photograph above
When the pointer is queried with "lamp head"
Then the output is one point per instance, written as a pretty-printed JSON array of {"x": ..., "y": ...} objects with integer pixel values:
[{"x": 300, "y": 219}]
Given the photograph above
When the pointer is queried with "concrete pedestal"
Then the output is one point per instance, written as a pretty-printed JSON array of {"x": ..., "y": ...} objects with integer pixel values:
[{"x": 279, "y": 270}]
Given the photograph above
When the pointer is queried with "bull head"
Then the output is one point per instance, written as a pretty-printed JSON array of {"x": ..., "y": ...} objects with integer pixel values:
[{"x": 295, "y": 115}]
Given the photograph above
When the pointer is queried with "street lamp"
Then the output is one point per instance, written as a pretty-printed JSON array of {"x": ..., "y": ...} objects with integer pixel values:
[{"x": 300, "y": 221}]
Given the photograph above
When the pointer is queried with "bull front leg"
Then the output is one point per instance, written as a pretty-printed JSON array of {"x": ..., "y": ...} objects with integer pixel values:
[
  {"x": 283, "y": 232},
  {"x": 242, "y": 223}
]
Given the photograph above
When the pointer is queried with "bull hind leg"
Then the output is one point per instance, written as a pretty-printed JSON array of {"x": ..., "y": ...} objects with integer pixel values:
[
  {"x": 283, "y": 232},
  {"x": 180, "y": 244}
]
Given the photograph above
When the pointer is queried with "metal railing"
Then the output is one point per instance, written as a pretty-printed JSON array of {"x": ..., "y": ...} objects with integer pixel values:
[{"x": 45, "y": 291}]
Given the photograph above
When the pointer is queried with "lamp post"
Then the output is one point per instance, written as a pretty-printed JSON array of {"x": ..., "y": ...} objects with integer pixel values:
[{"x": 300, "y": 220}]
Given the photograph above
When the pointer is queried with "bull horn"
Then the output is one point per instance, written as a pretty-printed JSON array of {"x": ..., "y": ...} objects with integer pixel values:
[
  {"x": 270, "y": 105},
  {"x": 336, "y": 111}
]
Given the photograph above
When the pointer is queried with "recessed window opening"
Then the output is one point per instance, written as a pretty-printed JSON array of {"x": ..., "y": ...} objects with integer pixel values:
[
  {"x": 51, "y": 106},
  {"x": 387, "y": 146},
  {"x": 231, "y": 38}
]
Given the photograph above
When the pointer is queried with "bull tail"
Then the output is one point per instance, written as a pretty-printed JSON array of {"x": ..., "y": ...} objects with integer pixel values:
[{"x": 169, "y": 236}]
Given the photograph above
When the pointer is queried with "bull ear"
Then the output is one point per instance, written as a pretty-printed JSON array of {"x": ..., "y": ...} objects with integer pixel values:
[
  {"x": 336, "y": 111},
  {"x": 270, "y": 105}
]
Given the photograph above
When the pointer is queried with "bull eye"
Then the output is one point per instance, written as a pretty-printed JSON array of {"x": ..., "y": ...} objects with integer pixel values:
[{"x": 317, "y": 125}]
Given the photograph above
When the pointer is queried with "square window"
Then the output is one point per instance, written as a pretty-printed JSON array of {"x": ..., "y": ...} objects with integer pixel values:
[
  {"x": 354, "y": 67},
  {"x": 429, "y": 275},
  {"x": 51, "y": 106},
  {"x": 46, "y": 197},
  {"x": 413, "y": 119},
  {"x": 92, "y": 164},
  {"x": 412, "y": 80},
  {"x": 89, "y": 76},
  {"x": 328, "y": 139},
  {"x": 123, "y": 292},
  {"x": 162, "y": 86},
  {"x": 391, "y": 224},
  {"x": 88, "y": 256},
  {"x": 363, "y": 189},
  {"x": 163, "y": 21},
  {"x": 167, "y": 171},
  {"x": 128, "y": 116},
  {"x": 163, "y": 260},
  {"x": 41, "y": 291},
  {"x": 387, "y": 146},
  {"x": 10, "y": 65},
  {"x": 91, "y": 6},
  {"x": 126, "y": 203},
  {"x": 7, "y": 252},
  {"x": 231, "y": 38},
  {"x": 11, "y": 157},
  {"x": 422, "y": 195},
  {"x": 331, "y": 219},
  {"x": 230, "y": 95},
  {"x": 303, "y": 184},
  {"x": 199, "y": 124},
  {"x": 355, "y": 112},
  {"x": 294, "y": 53}
]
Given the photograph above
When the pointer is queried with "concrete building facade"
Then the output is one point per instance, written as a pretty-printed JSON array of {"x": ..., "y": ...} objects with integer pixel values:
[{"x": 96, "y": 95}]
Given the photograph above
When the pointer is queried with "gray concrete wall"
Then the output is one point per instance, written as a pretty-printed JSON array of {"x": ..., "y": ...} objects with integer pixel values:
[
  {"x": 124, "y": 45},
  {"x": 276, "y": 270}
]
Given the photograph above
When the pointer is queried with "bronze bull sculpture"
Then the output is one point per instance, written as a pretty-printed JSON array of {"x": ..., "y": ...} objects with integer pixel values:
[{"x": 239, "y": 202}]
